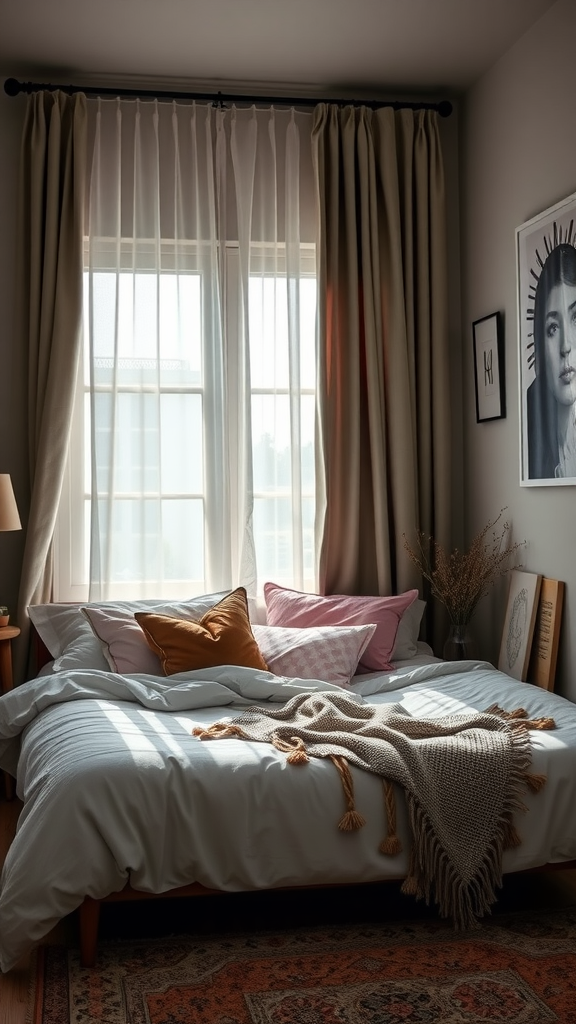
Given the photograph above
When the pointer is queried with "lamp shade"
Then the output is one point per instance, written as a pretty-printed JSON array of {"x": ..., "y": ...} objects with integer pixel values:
[{"x": 9, "y": 518}]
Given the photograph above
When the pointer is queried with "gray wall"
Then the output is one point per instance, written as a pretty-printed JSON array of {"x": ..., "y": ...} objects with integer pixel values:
[{"x": 518, "y": 137}]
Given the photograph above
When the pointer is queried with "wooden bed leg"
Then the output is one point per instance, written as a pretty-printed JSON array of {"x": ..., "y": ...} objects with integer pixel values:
[{"x": 89, "y": 912}]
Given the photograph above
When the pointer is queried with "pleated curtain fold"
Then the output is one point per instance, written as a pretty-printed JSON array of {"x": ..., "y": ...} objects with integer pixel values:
[
  {"x": 384, "y": 394},
  {"x": 49, "y": 276}
]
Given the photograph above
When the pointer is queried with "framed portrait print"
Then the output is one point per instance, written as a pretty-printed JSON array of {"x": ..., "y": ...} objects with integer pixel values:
[
  {"x": 546, "y": 274},
  {"x": 489, "y": 368}
]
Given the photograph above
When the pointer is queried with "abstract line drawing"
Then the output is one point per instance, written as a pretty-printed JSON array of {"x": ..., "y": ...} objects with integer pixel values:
[
  {"x": 518, "y": 630},
  {"x": 517, "y": 627}
]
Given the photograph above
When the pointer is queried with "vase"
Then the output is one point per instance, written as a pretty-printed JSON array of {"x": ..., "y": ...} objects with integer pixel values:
[{"x": 459, "y": 644}]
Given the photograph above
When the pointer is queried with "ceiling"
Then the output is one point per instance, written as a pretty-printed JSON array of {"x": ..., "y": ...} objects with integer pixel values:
[{"x": 336, "y": 47}]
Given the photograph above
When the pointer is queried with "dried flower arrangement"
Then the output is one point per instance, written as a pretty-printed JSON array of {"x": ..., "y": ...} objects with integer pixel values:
[{"x": 460, "y": 579}]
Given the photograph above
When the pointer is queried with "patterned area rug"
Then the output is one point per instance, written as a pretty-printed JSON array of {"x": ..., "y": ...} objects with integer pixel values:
[{"x": 518, "y": 968}]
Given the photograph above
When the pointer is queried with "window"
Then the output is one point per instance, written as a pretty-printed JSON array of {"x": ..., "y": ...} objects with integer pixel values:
[
  {"x": 153, "y": 455},
  {"x": 192, "y": 462}
]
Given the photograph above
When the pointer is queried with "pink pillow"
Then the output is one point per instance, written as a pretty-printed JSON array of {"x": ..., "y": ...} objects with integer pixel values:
[
  {"x": 293, "y": 608},
  {"x": 328, "y": 653}
]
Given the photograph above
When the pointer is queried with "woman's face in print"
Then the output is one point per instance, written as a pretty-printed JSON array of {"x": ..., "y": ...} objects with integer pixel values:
[{"x": 560, "y": 343}]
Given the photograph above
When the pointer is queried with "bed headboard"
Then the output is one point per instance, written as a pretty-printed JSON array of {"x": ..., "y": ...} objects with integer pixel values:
[{"x": 40, "y": 653}]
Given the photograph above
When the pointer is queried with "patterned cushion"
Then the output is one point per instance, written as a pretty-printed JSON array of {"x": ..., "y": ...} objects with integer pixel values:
[{"x": 328, "y": 653}]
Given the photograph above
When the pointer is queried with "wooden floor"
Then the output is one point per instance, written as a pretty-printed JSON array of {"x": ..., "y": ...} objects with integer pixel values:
[{"x": 539, "y": 890}]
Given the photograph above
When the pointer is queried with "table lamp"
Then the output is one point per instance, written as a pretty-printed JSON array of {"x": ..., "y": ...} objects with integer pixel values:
[{"x": 9, "y": 520}]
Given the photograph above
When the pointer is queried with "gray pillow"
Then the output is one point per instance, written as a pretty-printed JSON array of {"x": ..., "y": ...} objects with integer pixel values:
[
  {"x": 408, "y": 632},
  {"x": 67, "y": 634}
]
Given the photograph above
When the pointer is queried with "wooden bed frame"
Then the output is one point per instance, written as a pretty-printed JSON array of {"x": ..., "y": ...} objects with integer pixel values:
[{"x": 89, "y": 909}]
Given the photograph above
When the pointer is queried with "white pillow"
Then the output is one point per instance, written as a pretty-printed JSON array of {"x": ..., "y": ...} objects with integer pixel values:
[
  {"x": 70, "y": 639},
  {"x": 328, "y": 653},
  {"x": 122, "y": 640},
  {"x": 406, "y": 642}
]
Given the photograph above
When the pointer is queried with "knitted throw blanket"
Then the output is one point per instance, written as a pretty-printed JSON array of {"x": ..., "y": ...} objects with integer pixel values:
[{"x": 462, "y": 776}]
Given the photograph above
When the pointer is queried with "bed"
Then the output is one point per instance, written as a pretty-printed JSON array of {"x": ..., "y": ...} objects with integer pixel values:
[{"x": 125, "y": 796}]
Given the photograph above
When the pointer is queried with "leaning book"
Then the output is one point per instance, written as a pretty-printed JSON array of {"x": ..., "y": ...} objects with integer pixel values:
[{"x": 544, "y": 654}]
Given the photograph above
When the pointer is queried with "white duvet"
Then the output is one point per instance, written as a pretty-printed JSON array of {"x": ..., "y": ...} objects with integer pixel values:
[{"x": 116, "y": 788}]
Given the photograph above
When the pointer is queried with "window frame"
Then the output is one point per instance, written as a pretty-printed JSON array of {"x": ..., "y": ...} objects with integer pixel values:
[{"x": 71, "y": 536}]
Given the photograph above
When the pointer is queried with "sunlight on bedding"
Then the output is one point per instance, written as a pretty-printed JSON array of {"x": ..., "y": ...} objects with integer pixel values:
[
  {"x": 433, "y": 703},
  {"x": 133, "y": 737},
  {"x": 167, "y": 737}
]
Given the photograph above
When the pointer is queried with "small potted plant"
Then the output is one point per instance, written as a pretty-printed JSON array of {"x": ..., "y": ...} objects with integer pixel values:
[{"x": 4, "y": 616}]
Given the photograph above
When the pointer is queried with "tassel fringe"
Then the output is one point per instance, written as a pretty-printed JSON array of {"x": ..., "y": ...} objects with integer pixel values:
[
  {"x": 510, "y": 836},
  {"x": 298, "y": 757},
  {"x": 351, "y": 821},
  {"x": 541, "y": 723},
  {"x": 409, "y": 886},
  {"x": 219, "y": 731},
  {"x": 390, "y": 845},
  {"x": 508, "y": 716},
  {"x": 520, "y": 716},
  {"x": 294, "y": 748},
  {"x": 534, "y": 782}
]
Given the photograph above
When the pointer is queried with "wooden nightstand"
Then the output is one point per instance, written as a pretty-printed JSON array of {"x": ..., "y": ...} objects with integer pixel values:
[{"x": 7, "y": 635}]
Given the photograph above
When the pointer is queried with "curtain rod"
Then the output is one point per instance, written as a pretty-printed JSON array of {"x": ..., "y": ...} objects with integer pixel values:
[{"x": 13, "y": 87}]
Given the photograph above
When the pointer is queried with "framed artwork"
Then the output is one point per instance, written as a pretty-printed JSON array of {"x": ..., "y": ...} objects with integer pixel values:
[
  {"x": 519, "y": 623},
  {"x": 489, "y": 368},
  {"x": 546, "y": 275}
]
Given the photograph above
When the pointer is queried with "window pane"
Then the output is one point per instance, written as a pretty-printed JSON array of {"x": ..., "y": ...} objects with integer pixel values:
[
  {"x": 127, "y": 447},
  {"x": 271, "y": 442},
  {"x": 269, "y": 349},
  {"x": 147, "y": 329},
  {"x": 152, "y": 443},
  {"x": 308, "y": 332},
  {"x": 154, "y": 539},
  {"x": 183, "y": 540},
  {"x": 268, "y": 313},
  {"x": 273, "y": 539},
  {"x": 307, "y": 433},
  {"x": 182, "y": 444}
]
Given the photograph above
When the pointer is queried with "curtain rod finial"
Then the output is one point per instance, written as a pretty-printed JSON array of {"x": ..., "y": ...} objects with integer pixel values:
[{"x": 11, "y": 87}]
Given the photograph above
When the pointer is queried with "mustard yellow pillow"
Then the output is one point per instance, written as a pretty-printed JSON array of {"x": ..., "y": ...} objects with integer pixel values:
[{"x": 223, "y": 636}]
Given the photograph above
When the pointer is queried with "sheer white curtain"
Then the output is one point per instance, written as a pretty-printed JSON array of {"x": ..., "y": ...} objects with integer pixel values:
[{"x": 199, "y": 364}]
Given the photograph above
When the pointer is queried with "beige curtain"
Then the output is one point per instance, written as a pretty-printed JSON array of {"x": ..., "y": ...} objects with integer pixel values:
[
  {"x": 384, "y": 364},
  {"x": 50, "y": 230}
]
